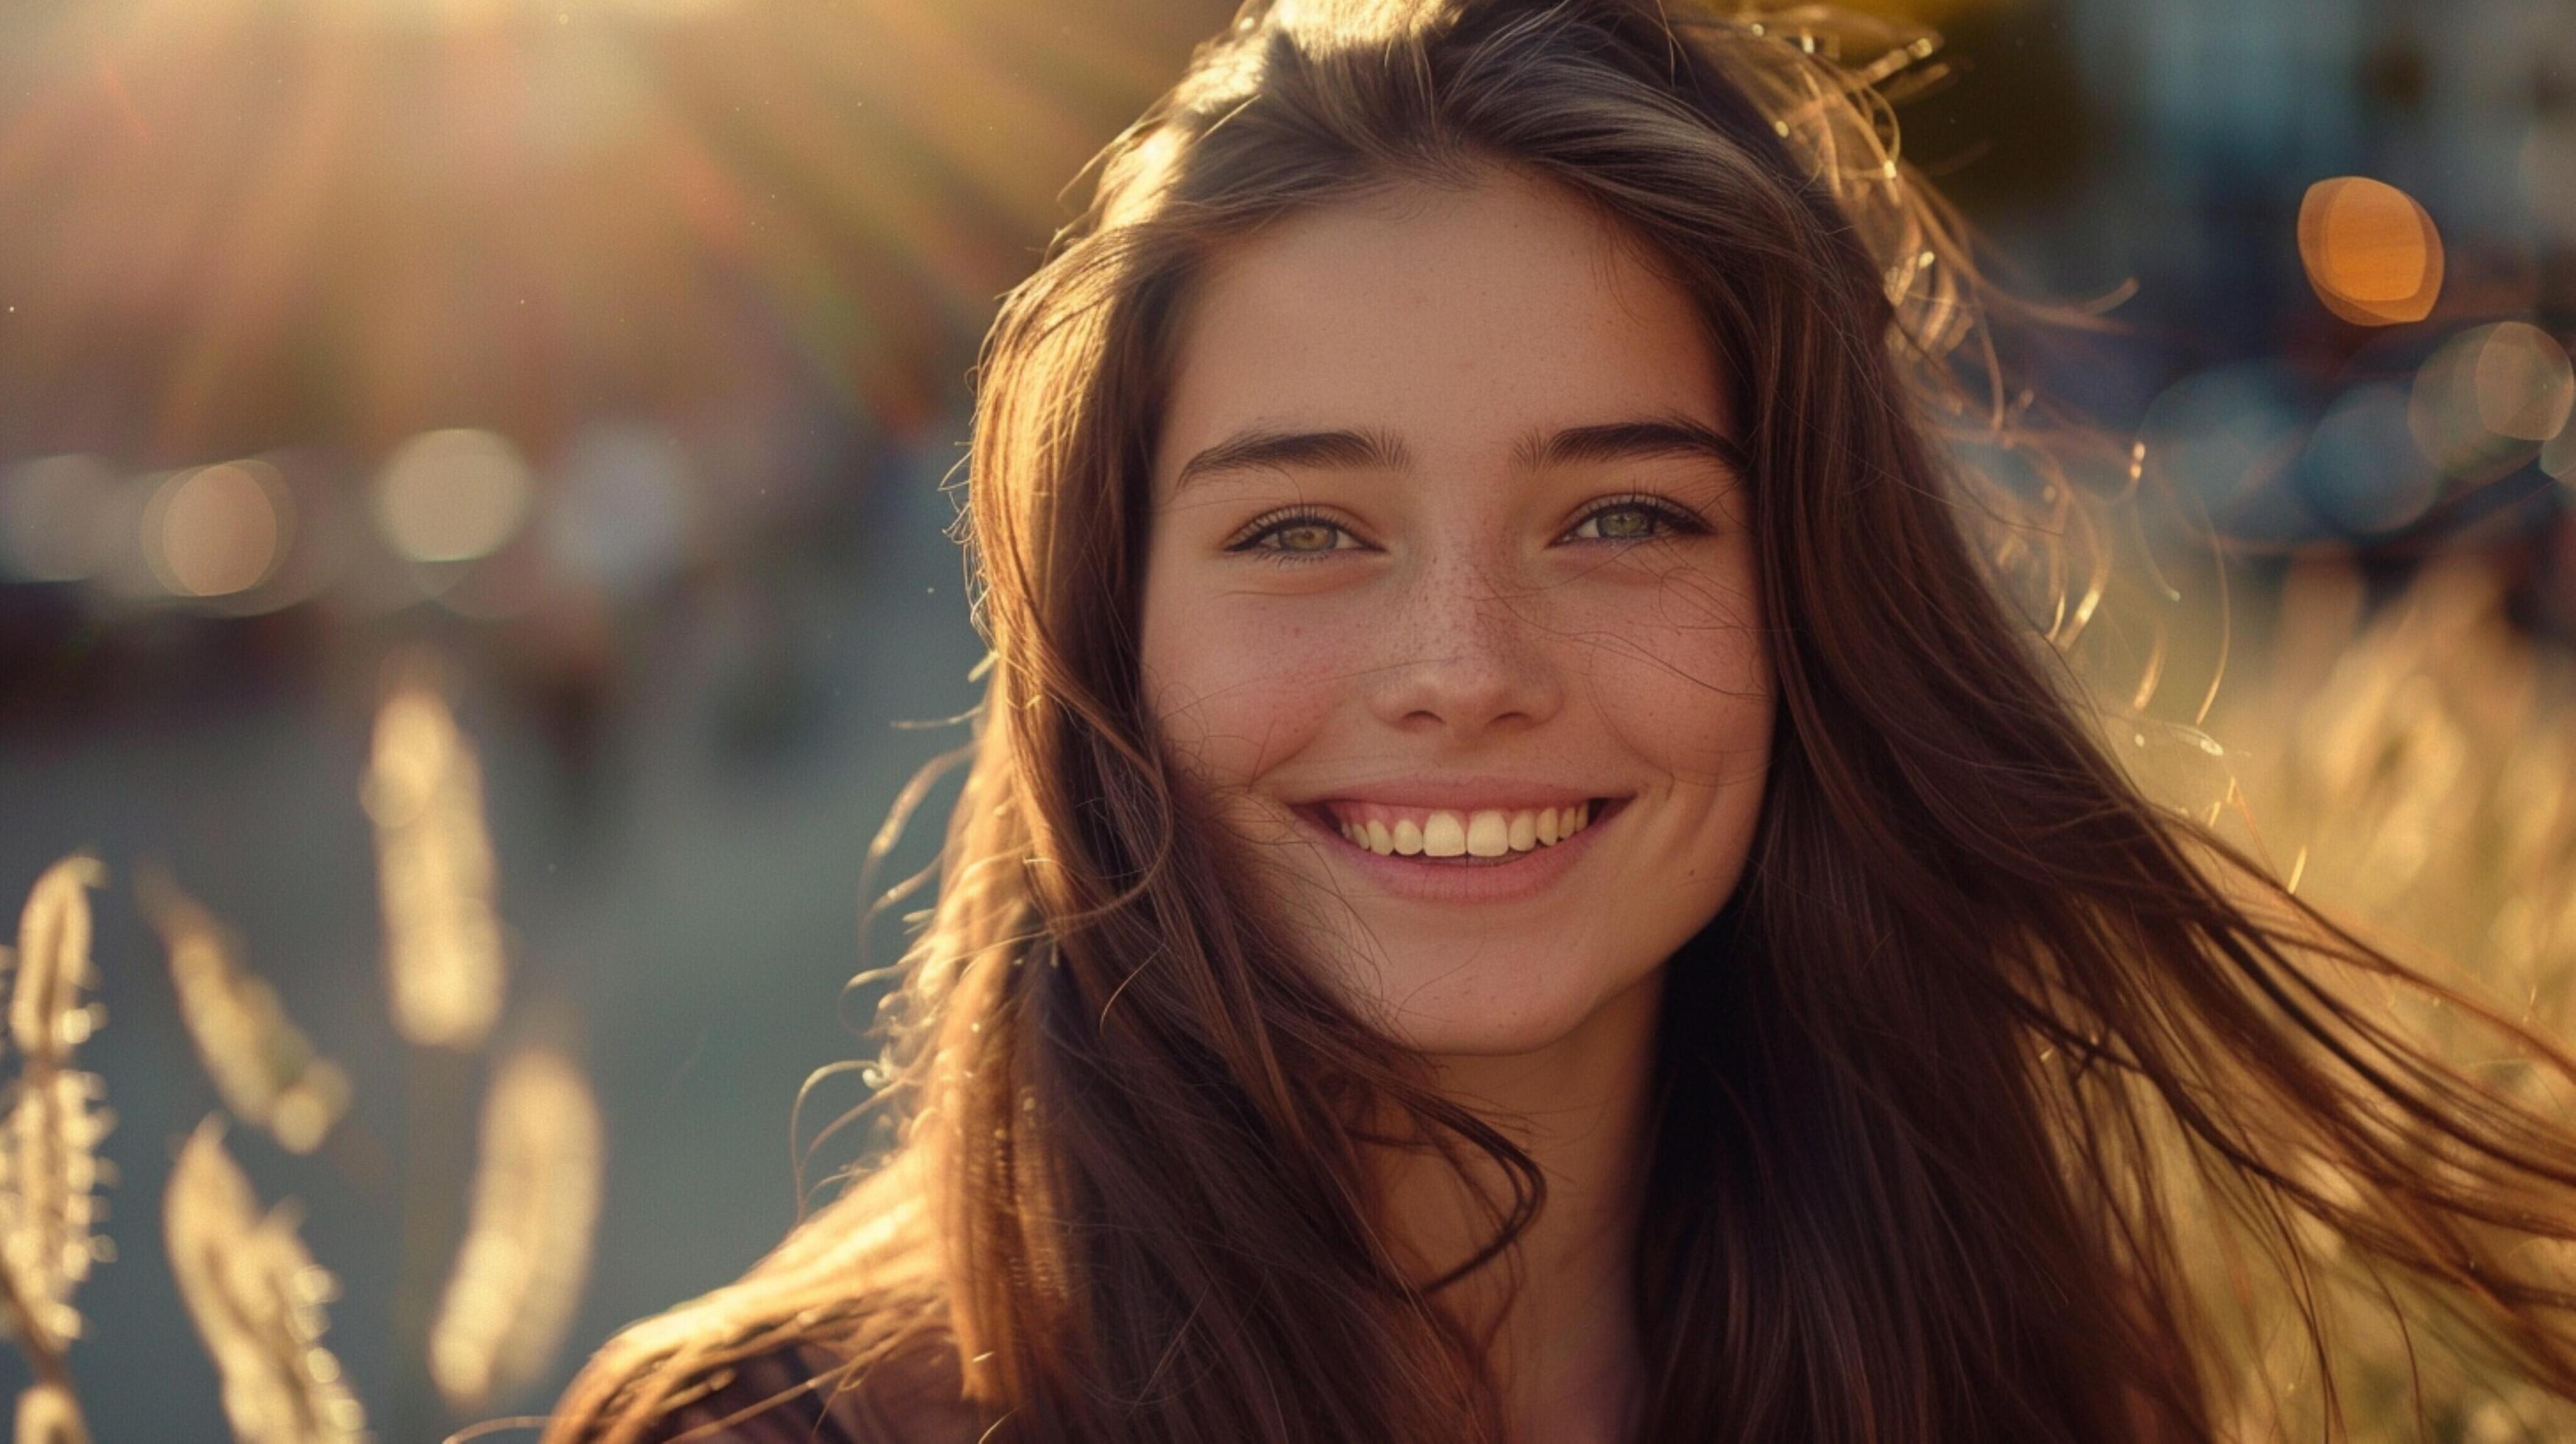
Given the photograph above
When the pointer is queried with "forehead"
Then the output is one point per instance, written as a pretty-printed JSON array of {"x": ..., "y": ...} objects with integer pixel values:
[{"x": 1455, "y": 319}]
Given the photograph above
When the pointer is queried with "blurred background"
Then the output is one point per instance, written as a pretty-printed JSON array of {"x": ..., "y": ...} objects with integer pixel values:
[{"x": 472, "y": 559}]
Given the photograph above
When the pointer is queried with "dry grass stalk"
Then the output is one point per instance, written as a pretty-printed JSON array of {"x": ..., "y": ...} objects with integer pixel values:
[
  {"x": 47, "y": 1414},
  {"x": 424, "y": 791},
  {"x": 2415, "y": 770},
  {"x": 49, "y": 1166},
  {"x": 268, "y": 1072},
  {"x": 256, "y": 1297},
  {"x": 526, "y": 1255}
]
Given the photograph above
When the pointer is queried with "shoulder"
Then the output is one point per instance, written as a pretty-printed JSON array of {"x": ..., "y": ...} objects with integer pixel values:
[{"x": 804, "y": 1393}]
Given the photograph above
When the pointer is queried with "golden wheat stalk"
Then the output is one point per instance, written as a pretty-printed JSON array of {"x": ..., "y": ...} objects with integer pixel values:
[
  {"x": 526, "y": 1255},
  {"x": 256, "y": 1297},
  {"x": 2414, "y": 765},
  {"x": 49, "y": 1164},
  {"x": 48, "y": 1414},
  {"x": 434, "y": 872},
  {"x": 268, "y": 1072}
]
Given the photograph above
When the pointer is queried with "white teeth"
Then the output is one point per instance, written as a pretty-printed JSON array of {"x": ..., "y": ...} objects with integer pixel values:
[{"x": 1487, "y": 832}]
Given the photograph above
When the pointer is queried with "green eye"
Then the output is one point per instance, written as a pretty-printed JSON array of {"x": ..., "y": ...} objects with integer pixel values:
[
  {"x": 1292, "y": 537},
  {"x": 1635, "y": 519},
  {"x": 1309, "y": 536},
  {"x": 1297, "y": 536}
]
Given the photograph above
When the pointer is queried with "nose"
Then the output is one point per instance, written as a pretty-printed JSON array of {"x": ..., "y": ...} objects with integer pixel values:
[{"x": 1465, "y": 656}]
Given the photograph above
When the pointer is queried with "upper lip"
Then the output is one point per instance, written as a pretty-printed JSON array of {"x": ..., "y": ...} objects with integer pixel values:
[{"x": 1458, "y": 793}]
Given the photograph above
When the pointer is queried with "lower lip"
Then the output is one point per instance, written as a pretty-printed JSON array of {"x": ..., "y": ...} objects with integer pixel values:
[{"x": 1526, "y": 875}]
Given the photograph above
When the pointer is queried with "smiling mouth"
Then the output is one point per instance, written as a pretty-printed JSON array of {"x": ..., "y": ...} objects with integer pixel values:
[{"x": 1445, "y": 839}]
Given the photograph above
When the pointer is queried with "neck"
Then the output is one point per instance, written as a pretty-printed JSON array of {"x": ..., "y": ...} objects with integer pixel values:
[{"x": 1563, "y": 1346}]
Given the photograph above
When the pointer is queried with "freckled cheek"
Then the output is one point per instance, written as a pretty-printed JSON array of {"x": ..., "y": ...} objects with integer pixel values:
[
  {"x": 1688, "y": 688},
  {"x": 1238, "y": 691},
  {"x": 1700, "y": 719}
]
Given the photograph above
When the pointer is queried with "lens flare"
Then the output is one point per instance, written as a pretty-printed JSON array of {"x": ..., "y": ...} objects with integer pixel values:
[{"x": 359, "y": 221}]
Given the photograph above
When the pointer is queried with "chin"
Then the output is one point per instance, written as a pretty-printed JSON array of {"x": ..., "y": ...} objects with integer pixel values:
[{"x": 1473, "y": 1009}]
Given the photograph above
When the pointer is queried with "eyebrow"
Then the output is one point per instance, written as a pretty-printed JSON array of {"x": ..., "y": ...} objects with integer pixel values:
[{"x": 1645, "y": 438}]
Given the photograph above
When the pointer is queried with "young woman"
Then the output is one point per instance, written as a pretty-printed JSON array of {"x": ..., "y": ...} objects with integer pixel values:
[{"x": 1524, "y": 874}]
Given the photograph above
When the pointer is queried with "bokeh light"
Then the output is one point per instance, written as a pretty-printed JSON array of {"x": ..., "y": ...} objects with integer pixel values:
[
  {"x": 2523, "y": 382},
  {"x": 217, "y": 530},
  {"x": 2361, "y": 470},
  {"x": 452, "y": 495},
  {"x": 2486, "y": 398},
  {"x": 2372, "y": 254}
]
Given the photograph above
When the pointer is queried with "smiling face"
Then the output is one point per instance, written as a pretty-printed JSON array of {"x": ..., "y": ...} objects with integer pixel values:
[{"x": 1445, "y": 557}]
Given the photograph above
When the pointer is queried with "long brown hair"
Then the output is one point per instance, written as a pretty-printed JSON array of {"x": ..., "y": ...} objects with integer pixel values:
[{"x": 1942, "y": 1090}]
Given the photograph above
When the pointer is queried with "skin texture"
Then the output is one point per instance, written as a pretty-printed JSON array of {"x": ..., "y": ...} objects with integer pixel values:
[
  {"x": 1457, "y": 625},
  {"x": 1466, "y": 613}
]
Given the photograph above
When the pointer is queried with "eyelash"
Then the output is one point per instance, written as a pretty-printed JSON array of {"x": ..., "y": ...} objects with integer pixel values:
[{"x": 1663, "y": 511}]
